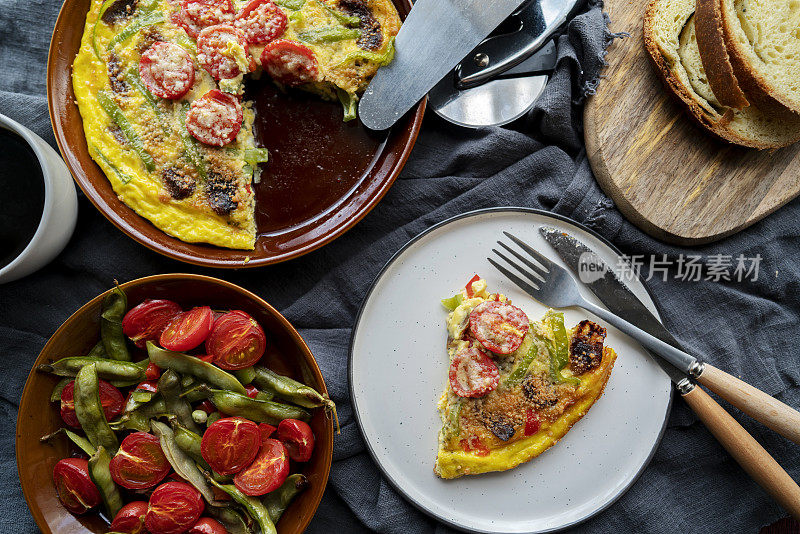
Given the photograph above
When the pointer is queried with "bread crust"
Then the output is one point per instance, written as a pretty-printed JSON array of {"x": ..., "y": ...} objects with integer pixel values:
[
  {"x": 718, "y": 129},
  {"x": 714, "y": 55},
  {"x": 755, "y": 86}
]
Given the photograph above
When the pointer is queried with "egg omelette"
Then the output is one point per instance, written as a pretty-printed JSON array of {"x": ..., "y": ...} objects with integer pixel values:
[
  {"x": 515, "y": 386},
  {"x": 159, "y": 86}
]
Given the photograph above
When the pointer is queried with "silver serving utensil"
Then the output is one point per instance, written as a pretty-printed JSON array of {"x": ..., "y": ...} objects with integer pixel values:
[
  {"x": 435, "y": 36},
  {"x": 553, "y": 286},
  {"x": 501, "y": 79}
]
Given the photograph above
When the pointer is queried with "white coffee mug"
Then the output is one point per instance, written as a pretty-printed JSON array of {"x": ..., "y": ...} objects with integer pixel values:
[{"x": 60, "y": 208}]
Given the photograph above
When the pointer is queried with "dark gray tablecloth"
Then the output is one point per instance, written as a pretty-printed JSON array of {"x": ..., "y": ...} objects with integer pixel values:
[{"x": 749, "y": 328}]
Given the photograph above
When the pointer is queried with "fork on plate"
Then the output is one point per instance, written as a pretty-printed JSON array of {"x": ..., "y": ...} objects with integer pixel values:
[{"x": 554, "y": 286}]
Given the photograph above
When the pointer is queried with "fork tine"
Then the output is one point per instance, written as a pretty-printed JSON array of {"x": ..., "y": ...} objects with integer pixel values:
[
  {"x": 538, "y": 281},
  {"x": 539, "y": 271},
  {"x": 525, "y": 286},
  {"x": 527, "y": 248}
]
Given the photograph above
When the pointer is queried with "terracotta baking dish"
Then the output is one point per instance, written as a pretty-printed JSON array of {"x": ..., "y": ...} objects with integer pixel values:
[
  {"x": 323, "y": 176},
  {"x": 286, "y": 353}
]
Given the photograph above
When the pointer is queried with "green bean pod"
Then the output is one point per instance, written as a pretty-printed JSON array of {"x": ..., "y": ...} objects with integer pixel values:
[
  {"x": 55, "y": 395},
  {"x": 148, "y": 19},
  {"x": 123, "y": 176},
  {"x": 139, "y": 417},
  {"x": 180, "y": 461},
  {"x": 260, "y": 411},
  {"x": 213, "y": 418},
  {"x": 98, "y": 351},
  {"x": 232, "y": 520},
  {"x": 190, "y": 148},
  {"x": 343, "y": 18},
  {"x": 291, "y": 4},
  {"x": 276, "y": 502},
  {"x": 101, "y": 476},
  {"x": 289, "y": 389},
  {"x": 189, "y": 441},
  {"x": 116, "y": 114},
  {"x": 189, "y": 365},
  {"x": 80, "y": 441},
  {"x": 349, "y": 104},
  {"x": 169, "y": 385},
  {"x": 246, "y": 375},
  {"x": 115, "y": 305},
  {"x": 106, "y": 369},
  {"x": 253, "y": 506},
  {"x": 330, "y": 34},
  {"x": 89, "y": 410}
]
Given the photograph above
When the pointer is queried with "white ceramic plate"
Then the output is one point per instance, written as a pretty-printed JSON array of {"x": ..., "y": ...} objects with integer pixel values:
[{"x": 398, "y": 370}]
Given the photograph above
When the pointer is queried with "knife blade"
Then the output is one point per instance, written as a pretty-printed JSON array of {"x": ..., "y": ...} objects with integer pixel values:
[
  {"x": 612, "y": 292},
  {"x": 434, "y": 38}
]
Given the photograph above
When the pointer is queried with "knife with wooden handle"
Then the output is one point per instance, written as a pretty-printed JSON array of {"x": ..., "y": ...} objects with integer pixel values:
[{"x": 753, "y": 458}]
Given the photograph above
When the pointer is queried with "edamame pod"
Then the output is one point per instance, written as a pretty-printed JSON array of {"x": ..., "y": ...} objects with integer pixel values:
[
  {"x": 260, "y": 411},
  {"x": 98, "y": 351},
  {"x": 196, "y": 367},
  {"x": 293, "y": 391},
  {"x": 277, "y": 501},
  {"x": 80, "y": 441},
  {"x": 100, "y": 474},
  {"x": 55, "y": 395},
  {"x": 180, "y": 461},
  {"x": 232, "y": 520},
  {"x": 289, "y": 389},
  {"x": 253, "y": 506},
  {"x": 106, "y": 369},
  {"x": 169, "y": 385},
  {"x": 89, "y": 410},
  {"x": 115, "y": 304},
  {"x": 190, "y": 443}
]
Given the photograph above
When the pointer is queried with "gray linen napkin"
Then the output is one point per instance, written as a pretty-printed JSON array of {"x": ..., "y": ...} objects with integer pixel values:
[{"x": 691, "y": 485}]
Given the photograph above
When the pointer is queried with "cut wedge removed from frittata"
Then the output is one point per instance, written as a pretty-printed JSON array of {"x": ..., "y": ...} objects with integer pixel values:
[{"x": 515, "y": 386}]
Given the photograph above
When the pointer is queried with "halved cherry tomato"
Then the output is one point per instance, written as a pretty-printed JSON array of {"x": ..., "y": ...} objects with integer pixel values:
[
  {"x": 110, "y": 397},
  {"x": 532, "y": 422},
  {"x": 468, "y": 287},
  {"x": 75, "y": 488},
  {"x": 140, "y": 463},
  {"x": 167, "y": 70},
  {"x": 236, "y": 341},
  {"x": 153, "y": 372},
  {"x": 473, "y": 373},
  {"x": 267, "y": 472},
  {"x": 215, "y": 118},
  {"x": 130, "y": 518},
  {"x": 229, "y": 445},
  {"x": 198, "y": 14},
  {"x": 188, "y": 329},
  {"x": 150, "y": 385},
  {"x": 146, "y": 321},
  {"x": 251, "y": 391},
  {"x": 173, "y": 508},
  {"x": 290, "y": 63},
  {"x": 298, "y": 438},
  {"x": 261, "y": 21},
  {"x": 215, "y": 53},
  {"x": 206, "y": 525},
  {"x": 266, "y": 430},
  {"x": 499, "y": 326}
]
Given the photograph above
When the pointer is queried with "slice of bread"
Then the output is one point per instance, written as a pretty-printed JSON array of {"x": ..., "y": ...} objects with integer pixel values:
[
  {"x": 761, "y": 41},
  {"x": 714, "y": 55},
  {"x": 670, "y": 39}
]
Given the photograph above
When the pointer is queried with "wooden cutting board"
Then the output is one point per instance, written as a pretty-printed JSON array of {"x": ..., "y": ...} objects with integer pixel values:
[{"x": 664, "y": 173}]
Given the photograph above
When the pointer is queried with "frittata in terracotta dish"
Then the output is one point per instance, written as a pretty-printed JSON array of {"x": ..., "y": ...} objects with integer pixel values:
[{"x": 159, "y": 84}]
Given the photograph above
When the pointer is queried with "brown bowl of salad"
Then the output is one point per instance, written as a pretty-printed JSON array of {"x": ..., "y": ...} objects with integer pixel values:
[{"x": 174, "y": 403}]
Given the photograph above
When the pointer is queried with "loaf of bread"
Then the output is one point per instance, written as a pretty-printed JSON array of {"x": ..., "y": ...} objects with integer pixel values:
[
  {"x": 671, "y": 41},
  {"x": 752, "y": 47}
]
